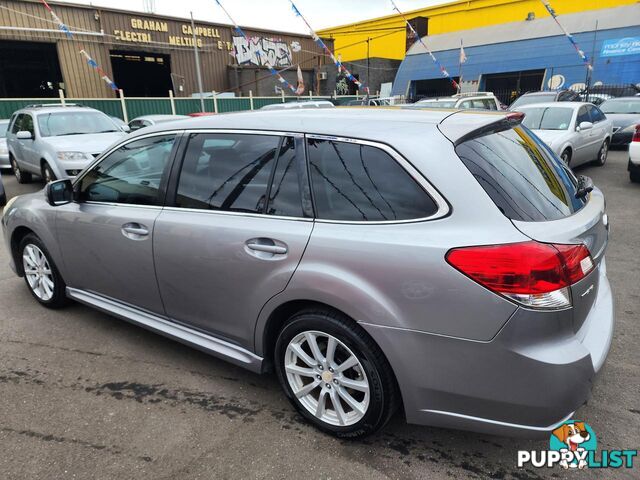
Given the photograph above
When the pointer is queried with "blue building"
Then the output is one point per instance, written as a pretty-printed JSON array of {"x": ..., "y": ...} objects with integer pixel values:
[{"x": 529, "y": 55}]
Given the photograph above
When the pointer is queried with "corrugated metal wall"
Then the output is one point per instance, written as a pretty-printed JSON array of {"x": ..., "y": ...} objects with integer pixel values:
[{"x": 83, "y": 81}]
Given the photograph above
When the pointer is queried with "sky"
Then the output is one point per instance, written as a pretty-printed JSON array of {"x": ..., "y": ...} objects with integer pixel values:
[{"x": 272, "y": 14}]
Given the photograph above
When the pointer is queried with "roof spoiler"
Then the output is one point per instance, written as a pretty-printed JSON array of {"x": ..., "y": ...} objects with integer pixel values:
[{"x": 470, "y": 126}]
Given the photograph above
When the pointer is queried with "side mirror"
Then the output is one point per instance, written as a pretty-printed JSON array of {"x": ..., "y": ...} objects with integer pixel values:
[
  {"x": 24, "y": 135},
  {"x": 59, "y": 192},
  {"x": 585, "y": 126}
]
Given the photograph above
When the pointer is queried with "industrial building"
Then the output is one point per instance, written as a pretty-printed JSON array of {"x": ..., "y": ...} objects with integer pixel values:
[
  {"x": 145, "y": 54},
  {"x": 511, "y": 46}
]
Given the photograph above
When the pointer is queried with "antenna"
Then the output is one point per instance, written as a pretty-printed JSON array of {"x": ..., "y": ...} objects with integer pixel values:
[{"x": 148, "y": 6}]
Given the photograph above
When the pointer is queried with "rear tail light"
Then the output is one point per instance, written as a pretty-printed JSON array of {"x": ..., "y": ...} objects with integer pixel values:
[
  {"x": 636, "y": 135},
  {"x": 536, "y": 275}
]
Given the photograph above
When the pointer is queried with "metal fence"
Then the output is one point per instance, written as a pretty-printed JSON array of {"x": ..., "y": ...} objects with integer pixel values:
[{"x": 128, "y": 108}]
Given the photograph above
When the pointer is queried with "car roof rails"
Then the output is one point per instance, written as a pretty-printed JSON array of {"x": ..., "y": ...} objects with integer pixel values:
[{"x": 47, "y": 105}]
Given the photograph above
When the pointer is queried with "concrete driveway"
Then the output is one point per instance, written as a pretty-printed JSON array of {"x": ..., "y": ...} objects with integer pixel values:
[{"x": 84, "y": 395}]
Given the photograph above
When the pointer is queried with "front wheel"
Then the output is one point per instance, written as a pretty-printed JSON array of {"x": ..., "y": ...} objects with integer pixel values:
[
  {"x": 565, "y": 156},
  {"x": 47, "y": 174},
  {"x": 602, "y": 154},
  {"x": 21, "y": 177},
  {"x": 334, "y": 374},
  {"x": 41, "y": 274}
]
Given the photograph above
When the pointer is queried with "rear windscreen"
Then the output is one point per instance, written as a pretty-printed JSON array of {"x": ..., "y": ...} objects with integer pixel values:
[{"x": 523, "y": 177}]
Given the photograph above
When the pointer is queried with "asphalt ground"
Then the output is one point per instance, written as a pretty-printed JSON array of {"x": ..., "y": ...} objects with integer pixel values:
[{"x": 84, "y": 395}]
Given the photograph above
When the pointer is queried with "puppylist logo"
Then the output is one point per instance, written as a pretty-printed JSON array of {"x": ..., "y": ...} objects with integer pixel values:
[{"x": 573, "y": 445}]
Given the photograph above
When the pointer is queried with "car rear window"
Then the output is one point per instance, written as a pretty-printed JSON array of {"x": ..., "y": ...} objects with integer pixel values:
[{"x": 522, "y": 176}]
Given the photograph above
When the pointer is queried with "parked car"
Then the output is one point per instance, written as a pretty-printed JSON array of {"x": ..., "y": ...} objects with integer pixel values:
[
  {"x": 634, "y": 156},
  {"x": 545, "y": 97},
  {"x": 595, "y": 98},
  {"x": 56, "y": 141},
  {"x": 149, "y": 120},
  {"x": 577, "y": 132},
  {"x": 624, "y": 112},
  {"x": 301, "y": 104},
  {"x": 476, "y": 100},
  {"x": 462, "y": 276},
  {"x": 4, "y": 150},
  {"x": 374, "y": 102},
  {"x": 3, "y": 194}
]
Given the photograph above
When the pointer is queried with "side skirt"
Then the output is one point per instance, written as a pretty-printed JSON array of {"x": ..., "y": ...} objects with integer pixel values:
[{"x": 194, "y": 338}]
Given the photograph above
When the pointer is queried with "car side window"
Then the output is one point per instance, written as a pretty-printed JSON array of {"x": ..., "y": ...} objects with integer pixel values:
[
  {"x": 490, "y": 104},
  {"x": 465, "y": 104},
  {"x": 131, "y": 174},
  {"x": 354, "y": 182},
  {"x": 284, "y": 196},
  {"x": 596, "y": 114},
  {"x": 583, "y": 116},
  {"x": 17, "y": 121},
  {"x": 27, "y": 124},
  {"x": 224, "y": 171}
]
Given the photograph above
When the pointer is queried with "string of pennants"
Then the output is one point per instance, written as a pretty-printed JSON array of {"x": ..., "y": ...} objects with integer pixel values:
[
  {"x": 324, "y": 47},
  {"x": 580, "y": 52},
  {"x": 273, "y": 71},
  {"x": 90, "y": 61},
  {"x": 443, "y": 70}
]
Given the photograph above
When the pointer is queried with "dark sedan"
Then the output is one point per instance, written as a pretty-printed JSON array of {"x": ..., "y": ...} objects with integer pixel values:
[{"x": 625, "y": 114}]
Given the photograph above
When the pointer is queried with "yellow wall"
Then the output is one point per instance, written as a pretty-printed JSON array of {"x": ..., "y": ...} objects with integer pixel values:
[{"x": 387, "y": 34}]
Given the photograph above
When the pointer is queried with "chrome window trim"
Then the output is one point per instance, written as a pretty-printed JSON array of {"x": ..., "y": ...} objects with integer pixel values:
[
  {"x": 240, "y": 131},
  {"x": 115, "y": 204},
  {"x": 441, "y": 204},
  {"x": 237, "y": 214}
]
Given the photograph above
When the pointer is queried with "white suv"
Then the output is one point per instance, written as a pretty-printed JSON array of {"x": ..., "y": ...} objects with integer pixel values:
[
  {"x": 464, "y": 101},
  {"x": 56, "y": 141}
]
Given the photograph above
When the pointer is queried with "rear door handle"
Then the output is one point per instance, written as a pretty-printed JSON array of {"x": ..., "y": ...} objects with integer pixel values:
[
  {"x": 135, "y": 231},
  {"x": 261, "y": 247}
]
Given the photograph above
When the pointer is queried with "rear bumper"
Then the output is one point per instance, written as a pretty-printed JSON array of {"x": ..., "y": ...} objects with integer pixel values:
[
  {"x": 531, "y": 377},
  {"x": 4, "y": 160}
]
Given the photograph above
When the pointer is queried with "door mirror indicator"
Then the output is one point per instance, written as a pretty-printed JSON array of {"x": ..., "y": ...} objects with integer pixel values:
[
  {"x": 59, "y": 192},
  {"x": 24, "y": 135}
]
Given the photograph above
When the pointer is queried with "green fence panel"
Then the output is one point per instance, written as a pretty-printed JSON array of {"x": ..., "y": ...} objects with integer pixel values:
[
  {"x": 233, "y": 104},
  {"x": 8, "y": 106},
  {"x": 111, "y": 107},
  {"x": 260, "y": 102},
  {"x": 137, "y": 107},
  {"x": 185, "y": 106}
]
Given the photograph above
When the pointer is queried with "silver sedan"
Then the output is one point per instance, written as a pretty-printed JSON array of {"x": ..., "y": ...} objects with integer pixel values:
[{"x": 577, "y": 132}]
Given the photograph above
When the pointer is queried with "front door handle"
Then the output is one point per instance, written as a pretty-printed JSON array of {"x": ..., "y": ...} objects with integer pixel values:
[
  {"x": 261, "y": 247},
  {"x": 135, "y": 231}
]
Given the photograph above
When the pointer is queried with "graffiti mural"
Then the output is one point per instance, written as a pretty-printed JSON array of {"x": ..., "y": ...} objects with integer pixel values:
[{"x": 261, "y": 51}]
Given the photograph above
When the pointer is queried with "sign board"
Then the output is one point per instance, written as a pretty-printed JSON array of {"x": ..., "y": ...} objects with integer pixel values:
[{"x": 620, "y": 46}]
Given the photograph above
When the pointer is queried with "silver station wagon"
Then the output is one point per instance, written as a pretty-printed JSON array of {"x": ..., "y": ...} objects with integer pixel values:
[{"x": 445, "y": 262}]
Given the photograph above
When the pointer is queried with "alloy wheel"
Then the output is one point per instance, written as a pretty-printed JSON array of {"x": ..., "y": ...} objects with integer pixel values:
[
  {"x": 38, "y": 272},
  {"x": 16, "y": 170},
  {"x": 327, "y": 378},
  {"x": 604, "y": 150}
]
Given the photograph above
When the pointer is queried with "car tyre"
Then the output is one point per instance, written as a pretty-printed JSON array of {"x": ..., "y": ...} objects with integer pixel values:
[
  {"x": 41, "y": 274},
  {"x": 47, "y": 174},
  {"x": 21, "y": 176},
  {"x": 565, "y": 156},
  {"x": 365, "y": 393},
  {"x": 634, "y": 175},
  {"x": 602, "y": 154}
]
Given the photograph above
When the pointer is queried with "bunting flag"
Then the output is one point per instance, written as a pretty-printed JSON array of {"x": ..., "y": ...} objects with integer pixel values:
[
  {"x": 90, "y": 60},
  {"x": 240, "y": 32},
  {"x": 580, "y": 52},
  {"x": 101, "y": 72},
  {"x": 463, "y": 56},
  {"x": 300, "y": 89},
  {"x": 443, "y": 70},
  {"x": 323, "y": 46}
]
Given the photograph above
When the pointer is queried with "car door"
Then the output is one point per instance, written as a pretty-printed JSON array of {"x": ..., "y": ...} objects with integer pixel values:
[
  {"x": 600, "y": 126},
  {"x": 30, "y": 153},
  {"x": 235, "y": 233},
  {"x": 584, "y": 150},
  {"x": 106, "y": 236},
  {"x": 12, "y": 142}
]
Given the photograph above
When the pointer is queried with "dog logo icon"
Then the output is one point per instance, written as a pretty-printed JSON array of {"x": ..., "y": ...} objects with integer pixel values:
[{"x": 574, "y": 440}]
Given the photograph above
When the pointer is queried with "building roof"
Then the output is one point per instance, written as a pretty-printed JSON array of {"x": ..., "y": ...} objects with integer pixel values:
[{"x": 619, "y": 17}]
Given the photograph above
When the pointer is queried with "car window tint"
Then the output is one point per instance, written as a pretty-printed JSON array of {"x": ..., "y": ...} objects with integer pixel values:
[
  {"x": 595, "y": 113},
  {"x": 583, "y": 116},
  {"x": 465, "y": 104},
  {"x": 356, "y": 182},
  {"x": 131, "y": 174},
  {"x": 284, "y": 196},
  {"x": 15, "y": 128},
  {"x": 522, "y": 177},
  {"x": 27, "y": 124},
  {"x": 227, "y": 172}
]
